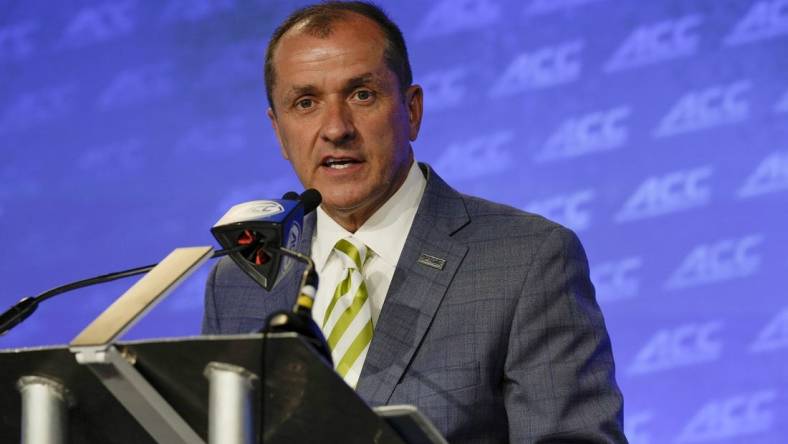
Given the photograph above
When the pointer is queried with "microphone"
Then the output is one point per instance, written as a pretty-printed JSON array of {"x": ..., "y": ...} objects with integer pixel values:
[
  {"x": 16, "y": 314},
  {"x": 290, "y": 195},
  {"x": 265, "y": 227},
  {"x": 261, "y": 225}
]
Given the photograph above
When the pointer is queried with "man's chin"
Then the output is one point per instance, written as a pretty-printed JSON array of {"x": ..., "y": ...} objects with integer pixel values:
[
  {"x": 341, "y": 206},
  {"x": 345, "y": 206}
]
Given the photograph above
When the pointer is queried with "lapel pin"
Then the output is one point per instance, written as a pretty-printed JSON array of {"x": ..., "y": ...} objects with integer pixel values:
[{"x": 431, "y": 261}]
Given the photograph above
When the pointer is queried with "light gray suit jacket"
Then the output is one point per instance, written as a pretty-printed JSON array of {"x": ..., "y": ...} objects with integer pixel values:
[{"x": 504, "y": 343}]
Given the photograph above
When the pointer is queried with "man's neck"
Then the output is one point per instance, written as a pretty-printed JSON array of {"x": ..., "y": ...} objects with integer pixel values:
[{"x": 350, "y": 221}]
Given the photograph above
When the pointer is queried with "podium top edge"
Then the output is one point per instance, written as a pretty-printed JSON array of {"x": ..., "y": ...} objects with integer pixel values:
[{"x": 168, "y": 339}]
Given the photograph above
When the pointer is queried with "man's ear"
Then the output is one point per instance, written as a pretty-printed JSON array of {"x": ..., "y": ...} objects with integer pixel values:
[
  {"x": 275, "y": 125},
  {"x": 414, "y": 100}
]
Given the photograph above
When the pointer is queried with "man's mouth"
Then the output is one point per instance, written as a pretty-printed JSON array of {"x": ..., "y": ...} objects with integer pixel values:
[{"x": 339, "y": 163}]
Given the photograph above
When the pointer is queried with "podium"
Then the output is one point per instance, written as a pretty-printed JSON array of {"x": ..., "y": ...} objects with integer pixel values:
[
  {"x": 300, "y": 399},
  {"x": 272, "y": 388}
]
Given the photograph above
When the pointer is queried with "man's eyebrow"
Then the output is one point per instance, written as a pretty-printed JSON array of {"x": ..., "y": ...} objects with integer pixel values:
[
  {"x": 361, "y": 80},
  {"x": 350, "y": 85},
  {"x": 302, "y": 90}
]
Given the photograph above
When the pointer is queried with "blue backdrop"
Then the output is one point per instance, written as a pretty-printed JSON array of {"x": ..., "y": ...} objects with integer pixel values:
[{"x": 655, "y": 129}]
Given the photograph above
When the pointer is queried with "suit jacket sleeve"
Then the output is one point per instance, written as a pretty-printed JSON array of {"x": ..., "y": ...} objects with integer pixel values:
[{"x": 559, "y": 374}]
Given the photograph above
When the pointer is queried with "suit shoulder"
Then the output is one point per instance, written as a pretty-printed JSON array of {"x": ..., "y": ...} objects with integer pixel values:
[{"x": 500, "y": 216}]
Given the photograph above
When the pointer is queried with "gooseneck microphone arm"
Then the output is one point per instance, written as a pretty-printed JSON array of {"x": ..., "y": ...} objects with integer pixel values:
[
  {"x": 299, "y": 320},
  {"x": 26, "y": 306}
]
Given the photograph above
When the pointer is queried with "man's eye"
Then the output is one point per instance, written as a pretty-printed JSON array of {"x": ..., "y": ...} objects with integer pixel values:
[
  {"x": 304, "y": 103},
  {"x": 364, "y": 95}
]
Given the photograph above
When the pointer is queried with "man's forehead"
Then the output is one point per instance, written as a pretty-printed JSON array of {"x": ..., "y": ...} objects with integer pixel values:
[
  {"x": 351, "y": 54},
  {"x": 347, "y": 26},
  {"x": 325, "y": 26}
]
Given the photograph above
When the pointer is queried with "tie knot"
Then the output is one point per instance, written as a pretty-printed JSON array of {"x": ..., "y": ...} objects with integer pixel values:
[{"x": 352, "y": 251}]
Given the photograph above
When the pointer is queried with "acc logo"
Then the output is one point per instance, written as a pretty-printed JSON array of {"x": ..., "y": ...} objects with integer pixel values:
[
  {"x": 192, "y": 10},
  {"x": 99, "y": 24},
  {"x": 444, "y": 88},
  {"x": 686, "y": 345},
  {"x": 252, "y": 210},
  {"x": 770, "y": 176},
  {"x": 634, "y": 425},
  {"x": 707, "y": 108},
  {"x": 16, "y": 41},
  {"x": 782, "y": 106},
  {"x": 106, "y": 161},
  {"x": 226, "y": 136},
  {"x": 450, "y": 16},
  {"x": 648, "y": 44},
  {"x": 566, "y": 209},
  {"x": 676, "y": 191},
  {"x": 249, "y": 191},
  {"x": 774, "y": 335},
  {"x": 720, "y": 261},
  {"x": 134, "y": 86},
  {"x": 266, "y": 208},
  {"x": 293, "y": 236},
  {"x": 476, "y": 157},
  {"x": 545, "y": 6},
  {"x": 764, "y": 20},
  {"x": 37, "y": 107},
  {"x": 548, "y": 66},
  {"x": 616, "y": 280},
  {"x": 731, "y": 417},
  {"x": 237, "y": 63},
  {"x": 16, "y": 185},
  {"x": 292, "y": 243},
  {"x": 598, "y": 131}
]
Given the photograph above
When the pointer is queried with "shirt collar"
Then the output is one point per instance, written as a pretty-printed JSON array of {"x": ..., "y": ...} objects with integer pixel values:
[{"x": 384, "y": 232}]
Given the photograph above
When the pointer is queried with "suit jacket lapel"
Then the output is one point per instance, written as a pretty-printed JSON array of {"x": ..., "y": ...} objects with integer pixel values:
[{"x": 417, "y": 289}]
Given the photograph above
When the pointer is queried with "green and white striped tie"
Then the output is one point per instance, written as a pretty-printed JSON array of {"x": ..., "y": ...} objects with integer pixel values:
[{"x": 348, "y": 318}]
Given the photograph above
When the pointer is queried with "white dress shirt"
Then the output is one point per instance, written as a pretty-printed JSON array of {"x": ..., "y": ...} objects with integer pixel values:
[{"x": 384, "y": 234}]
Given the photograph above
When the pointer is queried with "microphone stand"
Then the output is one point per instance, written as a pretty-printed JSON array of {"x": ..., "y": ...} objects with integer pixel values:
[{"x": 299, "y": 320}]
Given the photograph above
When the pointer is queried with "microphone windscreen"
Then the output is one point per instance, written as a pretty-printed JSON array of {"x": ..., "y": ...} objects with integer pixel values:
[
  {"x": 290, "y": 195},
  {"x": 310, "y": 198}
]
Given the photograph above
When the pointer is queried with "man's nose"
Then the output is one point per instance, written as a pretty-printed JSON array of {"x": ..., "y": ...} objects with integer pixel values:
[{"x": 338, "y": 123}]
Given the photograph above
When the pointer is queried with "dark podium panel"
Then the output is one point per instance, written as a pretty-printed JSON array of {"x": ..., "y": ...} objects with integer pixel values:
[
  {"x": 301, "y": 399},
  {"x": 97, "y": 417}
]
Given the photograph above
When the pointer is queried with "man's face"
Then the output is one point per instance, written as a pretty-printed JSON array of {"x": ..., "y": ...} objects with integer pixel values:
[{"x": 341, "y": 118}]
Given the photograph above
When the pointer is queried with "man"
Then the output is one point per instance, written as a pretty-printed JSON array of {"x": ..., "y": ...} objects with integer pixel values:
[{"x": 481, "y": 315}]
